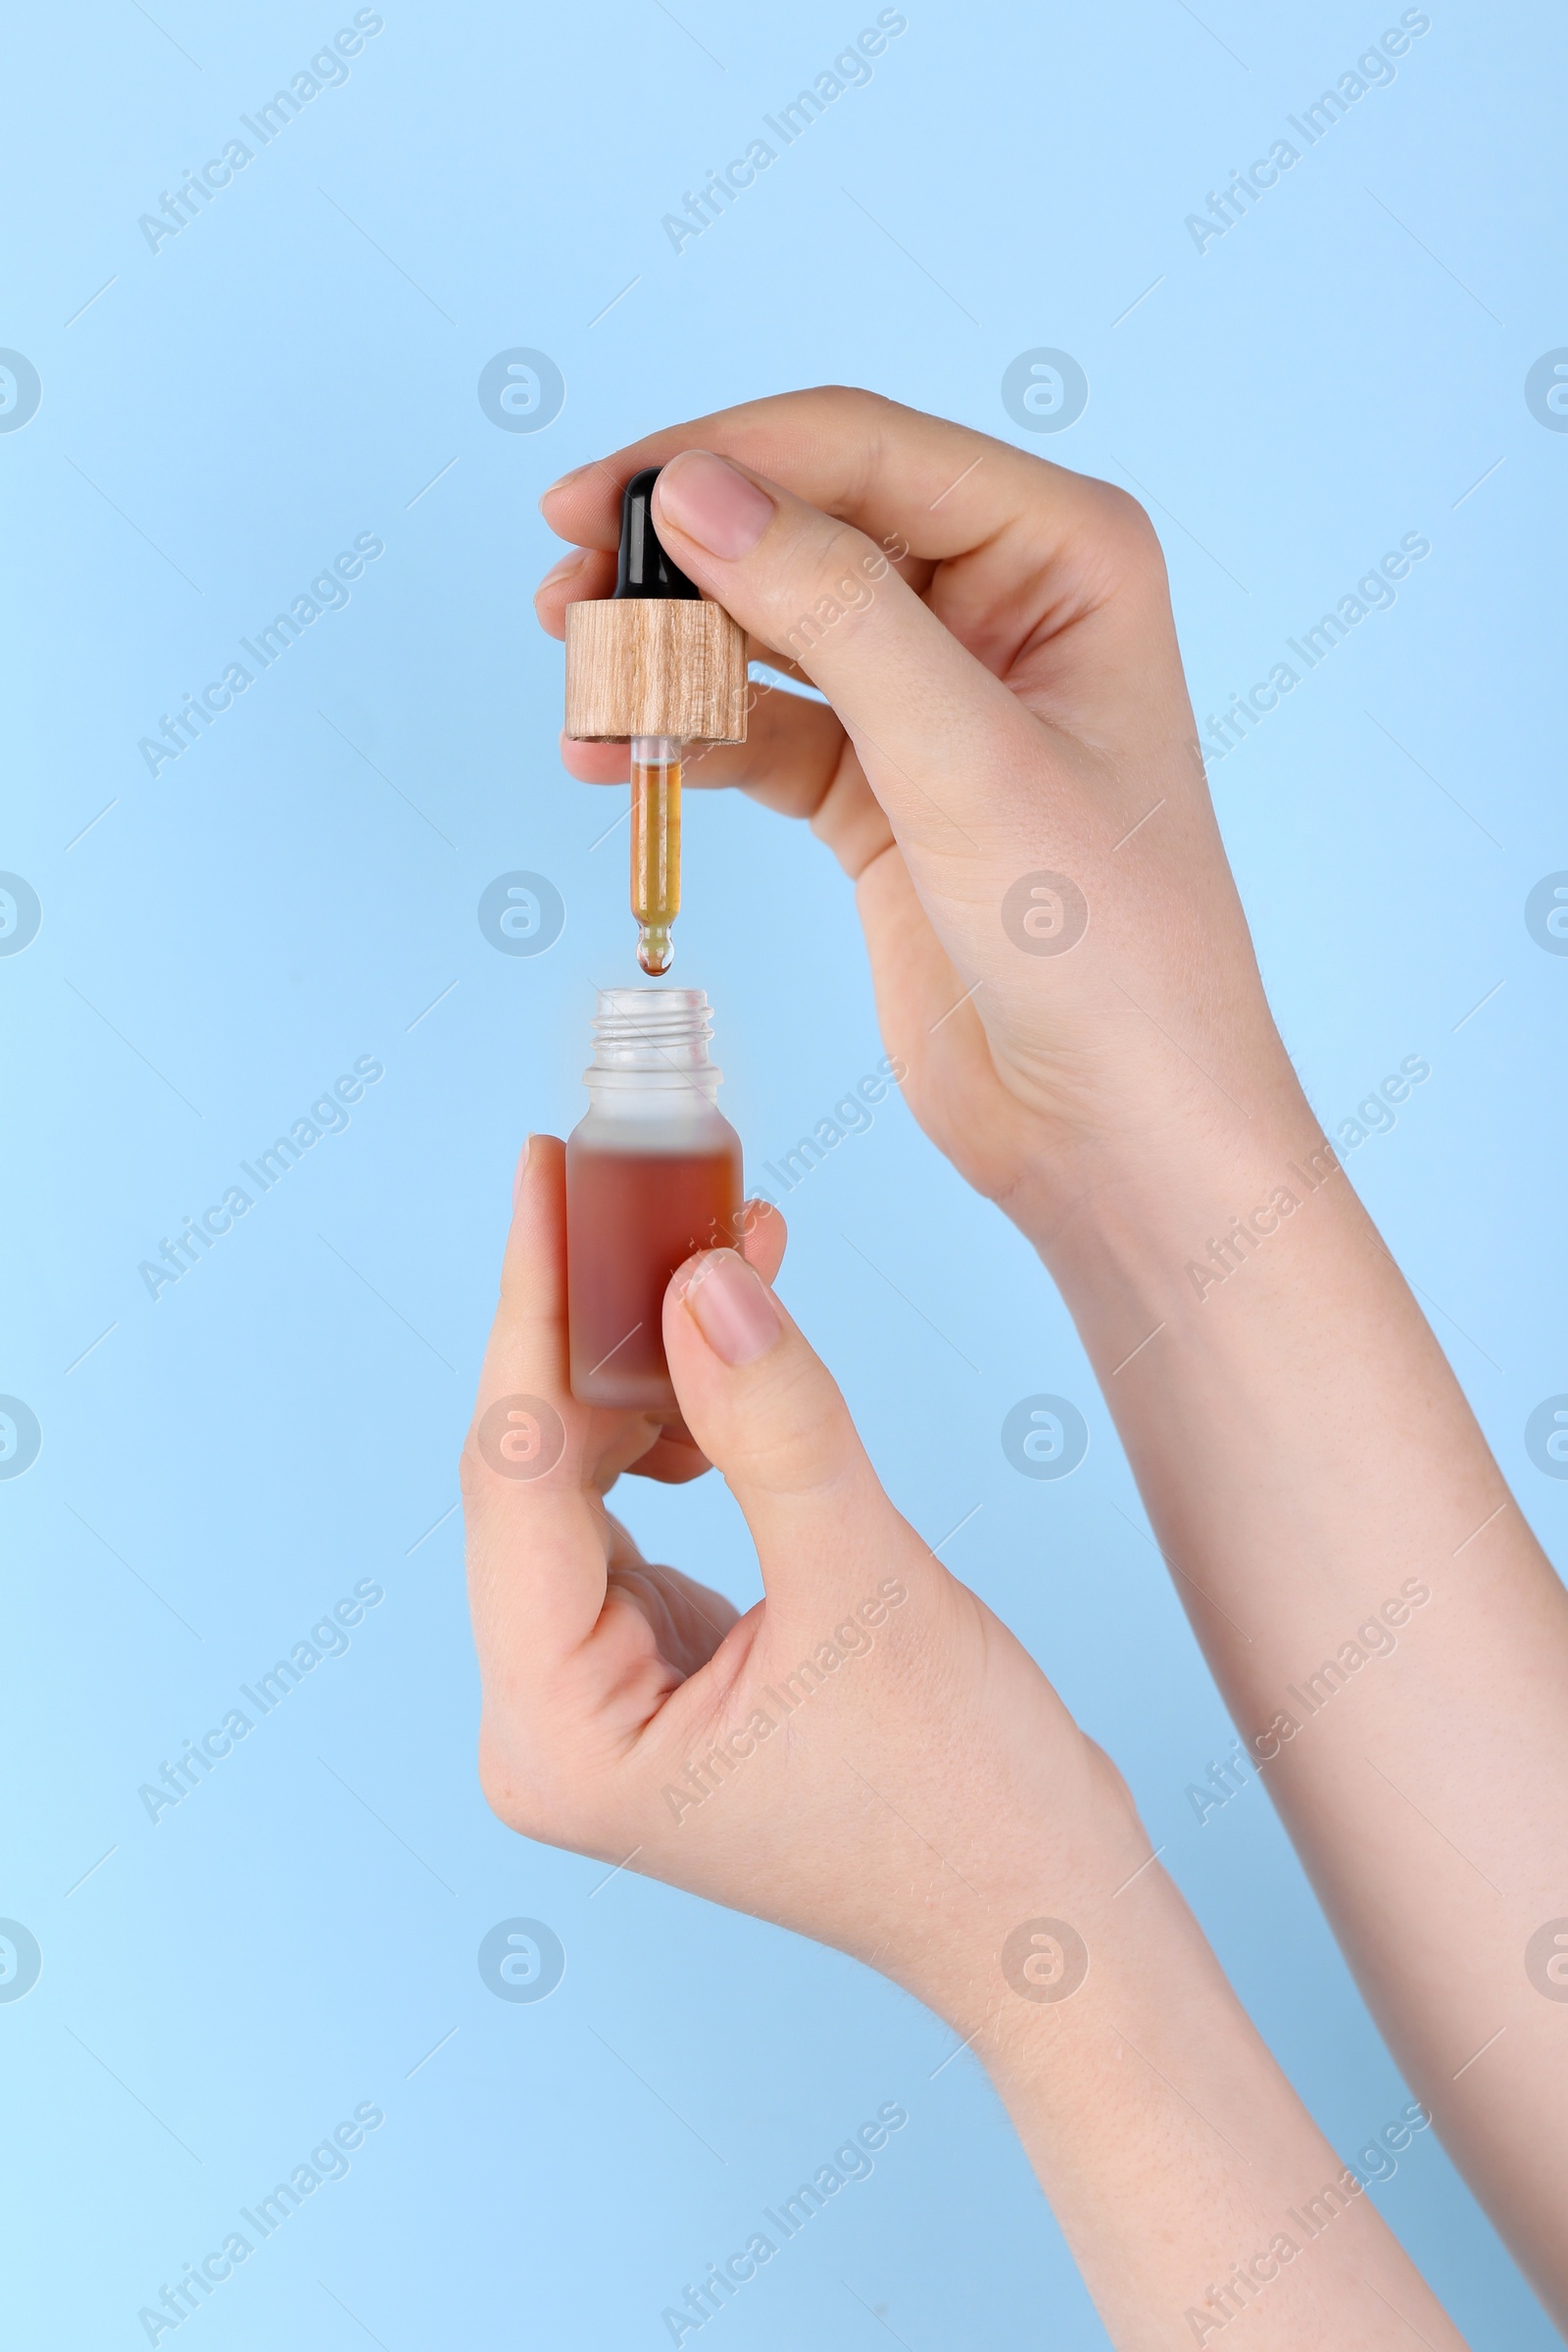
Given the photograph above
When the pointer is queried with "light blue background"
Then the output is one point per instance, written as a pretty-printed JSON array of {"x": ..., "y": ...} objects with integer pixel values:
[{"x": 223, "y": 417}]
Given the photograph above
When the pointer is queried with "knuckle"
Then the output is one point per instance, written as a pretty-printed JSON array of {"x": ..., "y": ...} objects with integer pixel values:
[
  {"x": 515, "y": 1792},
  {"x": 498, "y": 1786},
  {"x": 845, "y": 403},
  {"x": 539, "y": 1788},
  {"x": 1129, "y": 527}
]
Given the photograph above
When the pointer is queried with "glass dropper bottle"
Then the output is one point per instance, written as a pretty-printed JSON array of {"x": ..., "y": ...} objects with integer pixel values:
[
  {"x": 652, "y": 1175},
  {"x": 657, "y": 665}
]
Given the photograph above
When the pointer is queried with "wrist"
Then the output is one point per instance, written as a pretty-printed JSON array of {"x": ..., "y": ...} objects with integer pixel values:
[
  {"x": 1146, "y": 1233},
  {"x": 1053, "y": 2034},
  {"x": 1110, "y": 2036},
  {"x": 1036, "y": 1902}
]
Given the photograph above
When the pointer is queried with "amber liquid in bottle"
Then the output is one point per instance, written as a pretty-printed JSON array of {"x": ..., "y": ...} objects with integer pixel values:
[
  {"x": 633, "y": 1217},
  {"x": 652, "y": 1175}
]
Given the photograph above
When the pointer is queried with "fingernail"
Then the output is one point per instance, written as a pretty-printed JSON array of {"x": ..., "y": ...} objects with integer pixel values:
[
  {"x": 519, "y": 1173},
  {"x": 573, "y": 561},
  {"x": 731, "y": 1309},
  {"x": 712, "y": 504},
  {"x": 576, "y": 474}
]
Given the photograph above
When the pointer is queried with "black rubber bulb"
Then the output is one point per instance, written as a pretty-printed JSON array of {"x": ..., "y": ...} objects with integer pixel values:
[{"x": 643, "y": 568}]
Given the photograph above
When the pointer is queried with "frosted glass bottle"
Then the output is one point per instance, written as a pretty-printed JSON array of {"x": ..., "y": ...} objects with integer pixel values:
[{"x": 653, "y": 1174}]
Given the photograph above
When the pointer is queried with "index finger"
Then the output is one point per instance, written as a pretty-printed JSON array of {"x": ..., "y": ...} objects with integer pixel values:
[{"x": 894, "y": 472}]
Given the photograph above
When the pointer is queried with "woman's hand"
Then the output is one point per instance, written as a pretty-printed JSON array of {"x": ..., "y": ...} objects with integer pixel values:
[
  {"x": 1011, "y": 702},
  {"x": 866, "y": 1755},
  {"x": 1008, "y": 771},
  {"x": 869, "y": 1757}
]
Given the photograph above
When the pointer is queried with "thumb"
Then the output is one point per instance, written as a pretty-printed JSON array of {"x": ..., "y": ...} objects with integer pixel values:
[
  {"x": 767, "y": 1413},
  {"x": 826, "y": 596}
]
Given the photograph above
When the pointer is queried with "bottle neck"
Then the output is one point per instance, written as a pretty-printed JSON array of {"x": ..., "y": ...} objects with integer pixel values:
[{"x": 651, "y": 1051}]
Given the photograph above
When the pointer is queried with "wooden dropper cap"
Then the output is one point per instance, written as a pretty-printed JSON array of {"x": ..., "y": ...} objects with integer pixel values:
[{"x": 658, "y": 657}]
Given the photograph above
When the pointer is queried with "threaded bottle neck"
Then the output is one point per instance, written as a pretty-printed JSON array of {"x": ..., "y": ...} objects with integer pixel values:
[{"x": 655, "y": 1039}]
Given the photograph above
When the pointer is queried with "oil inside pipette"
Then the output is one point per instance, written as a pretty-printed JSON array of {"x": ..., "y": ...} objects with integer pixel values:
[{"x": 656, "y": 765}]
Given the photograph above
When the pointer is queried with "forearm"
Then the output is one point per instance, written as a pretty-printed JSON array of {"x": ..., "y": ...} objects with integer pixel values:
[
  {"x": 1391, "y": 1642},
  {"x": 1188, "y": 2178}
]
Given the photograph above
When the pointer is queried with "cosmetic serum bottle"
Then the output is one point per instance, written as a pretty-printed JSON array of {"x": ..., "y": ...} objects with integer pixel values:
[{"x": 653, "y": 1174}]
